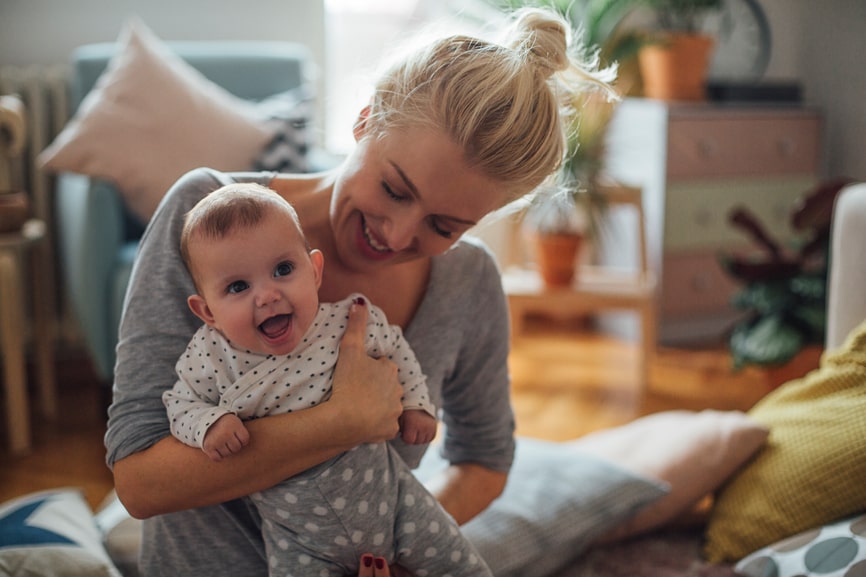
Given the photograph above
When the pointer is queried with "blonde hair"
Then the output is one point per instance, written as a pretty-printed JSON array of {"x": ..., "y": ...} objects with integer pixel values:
[
  {"x": 237, "y": 206},
  {"x": 504, "y": 104}
]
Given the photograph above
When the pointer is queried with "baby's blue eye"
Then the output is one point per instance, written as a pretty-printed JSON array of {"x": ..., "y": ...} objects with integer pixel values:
[
  {"x": 284, "y": 269},
  {"x": 237, "y": 287}
]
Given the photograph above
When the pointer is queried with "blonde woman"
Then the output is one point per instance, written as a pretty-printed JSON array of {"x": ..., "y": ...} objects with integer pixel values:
[{"x": 453, "y": 132}]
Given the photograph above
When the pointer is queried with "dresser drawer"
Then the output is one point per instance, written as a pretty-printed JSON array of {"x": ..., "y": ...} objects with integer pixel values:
[
  {"x": 694, "y": 284},
  {"x": 697, "y": 211},
  {"x": 742, "y": 145}
]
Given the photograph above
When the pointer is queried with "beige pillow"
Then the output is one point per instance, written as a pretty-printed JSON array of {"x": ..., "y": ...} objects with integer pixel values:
[
  {"x": 152, "y": 117},
  {"x": 694, "y": 452}
]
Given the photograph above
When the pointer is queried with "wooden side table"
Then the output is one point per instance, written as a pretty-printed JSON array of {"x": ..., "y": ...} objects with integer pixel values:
[{"x": 13, "y": 247}]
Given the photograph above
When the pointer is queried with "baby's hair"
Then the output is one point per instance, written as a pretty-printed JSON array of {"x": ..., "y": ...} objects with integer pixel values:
[
  {"x": 505, "y": 104},
  {"x": 237, "y": 206}
]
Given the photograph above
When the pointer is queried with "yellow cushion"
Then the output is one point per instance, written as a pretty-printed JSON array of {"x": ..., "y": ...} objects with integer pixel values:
[{"x": 812, "y": 469}]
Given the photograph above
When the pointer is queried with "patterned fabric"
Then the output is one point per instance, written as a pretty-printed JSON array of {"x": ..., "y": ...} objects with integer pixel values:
[
  {"x": 52, "y": 534},
  {"x": 835, "y": 550},
  {"x": 288, "y": 117},
  {"x": 812, "y": 469}
]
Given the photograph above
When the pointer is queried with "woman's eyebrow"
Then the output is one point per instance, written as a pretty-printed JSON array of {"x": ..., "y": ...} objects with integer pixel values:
[{"x": 414, "y": 190}]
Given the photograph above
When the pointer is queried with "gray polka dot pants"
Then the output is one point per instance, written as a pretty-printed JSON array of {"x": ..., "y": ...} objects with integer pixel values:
[{"x": 367, "y": 500}]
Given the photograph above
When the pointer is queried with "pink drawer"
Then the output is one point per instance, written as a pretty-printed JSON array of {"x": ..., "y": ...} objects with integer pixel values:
[
  {"x": 694, "y": 283},
  {"x": 743, "y": 145}
]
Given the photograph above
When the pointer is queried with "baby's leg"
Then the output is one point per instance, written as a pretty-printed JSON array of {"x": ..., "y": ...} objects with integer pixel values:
[{"x": 428, "y": 541}]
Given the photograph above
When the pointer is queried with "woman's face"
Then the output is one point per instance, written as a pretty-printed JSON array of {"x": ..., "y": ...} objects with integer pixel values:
[{"x": 406, "y": 195}]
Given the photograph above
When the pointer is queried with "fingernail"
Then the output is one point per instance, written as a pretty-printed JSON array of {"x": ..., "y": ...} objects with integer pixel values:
[
  {"x": 367, "y": 560},
  {"x": 380, "y": 563},
  {"x": 360, "y": 301}
]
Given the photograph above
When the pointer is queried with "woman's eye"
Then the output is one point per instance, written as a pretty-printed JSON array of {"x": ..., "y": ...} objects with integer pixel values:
[
  {"x": 284, "y": 269},
  {"x": 237, "y": 287},
  {"x": 390, "y": 192},
  {"x": 437, "y": 228}
]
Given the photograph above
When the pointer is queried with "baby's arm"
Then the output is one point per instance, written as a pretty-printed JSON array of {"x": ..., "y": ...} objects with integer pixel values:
[
  {"x": 417, "y": 427},
  {"x": 225, "y": 437}
]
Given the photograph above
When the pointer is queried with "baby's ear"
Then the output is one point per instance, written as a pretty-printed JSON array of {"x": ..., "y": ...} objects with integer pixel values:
[
  {"x": 199, "y": 307},
  {"x": 318, "y": 260}
]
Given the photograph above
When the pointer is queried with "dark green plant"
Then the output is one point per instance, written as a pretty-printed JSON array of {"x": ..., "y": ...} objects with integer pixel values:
[
  {"x": 784, "y": 292},
  {"x": 682, "y": 15}
]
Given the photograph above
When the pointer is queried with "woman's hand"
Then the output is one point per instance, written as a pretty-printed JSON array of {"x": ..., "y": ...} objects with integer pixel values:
[{"x": 366, "y": 389}]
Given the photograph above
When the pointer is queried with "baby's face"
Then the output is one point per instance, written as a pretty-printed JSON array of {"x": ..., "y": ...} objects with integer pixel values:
[{"x": 259, "y": 285}]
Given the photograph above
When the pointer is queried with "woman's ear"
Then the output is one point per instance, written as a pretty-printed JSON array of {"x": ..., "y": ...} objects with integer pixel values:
[
  {"x": 198, "y": 306},
  {"x": 360, "y": 128},
  {"x": 318, "y": 260}
]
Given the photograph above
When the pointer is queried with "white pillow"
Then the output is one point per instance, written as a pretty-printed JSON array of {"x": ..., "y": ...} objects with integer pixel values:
[
  {"x": 152, "y": 117},
  {"x": 695, "y": 452},
  {"x": 52, "y": 534}
]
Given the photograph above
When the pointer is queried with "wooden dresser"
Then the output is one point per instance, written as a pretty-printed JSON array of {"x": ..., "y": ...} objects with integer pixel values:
[{"x": 695, "y": 162}]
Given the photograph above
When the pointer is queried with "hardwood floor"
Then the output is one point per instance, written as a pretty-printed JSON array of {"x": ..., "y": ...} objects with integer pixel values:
[{"x": 566, "y": 381}]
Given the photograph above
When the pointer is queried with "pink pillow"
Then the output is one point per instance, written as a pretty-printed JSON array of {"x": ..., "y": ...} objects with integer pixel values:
[
  {"x": 152, "y": 117},
  {"x": 694, "y": 452}
]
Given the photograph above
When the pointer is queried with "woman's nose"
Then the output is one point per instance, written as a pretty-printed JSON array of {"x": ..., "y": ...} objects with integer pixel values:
[{"x": 401, "y": 234}]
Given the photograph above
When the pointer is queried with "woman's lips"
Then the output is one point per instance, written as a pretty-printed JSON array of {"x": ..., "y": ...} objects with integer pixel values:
[{"x": 370, "y": 245}]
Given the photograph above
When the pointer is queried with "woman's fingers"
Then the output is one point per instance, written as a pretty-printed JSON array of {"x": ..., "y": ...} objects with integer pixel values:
[
  {"x": 371, "y": 566},
  {"x": 361, "y": 381}
]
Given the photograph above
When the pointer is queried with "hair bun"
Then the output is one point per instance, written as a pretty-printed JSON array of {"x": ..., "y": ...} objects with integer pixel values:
[{"x": 543, "y": 36}]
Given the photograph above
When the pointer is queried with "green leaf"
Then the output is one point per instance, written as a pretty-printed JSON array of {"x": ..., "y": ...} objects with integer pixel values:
[{"x": 769, "y": 341}]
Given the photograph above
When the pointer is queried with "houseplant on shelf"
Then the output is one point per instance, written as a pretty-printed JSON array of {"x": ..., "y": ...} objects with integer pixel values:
[
  {"x": 783, "y": 292},
  {"x": 675, "y": 56}
]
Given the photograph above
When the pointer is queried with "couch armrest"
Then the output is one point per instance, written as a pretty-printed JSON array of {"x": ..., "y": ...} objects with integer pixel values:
[
  {"x": 90, "y": 222},
  {"x": 846, "y": 285}
]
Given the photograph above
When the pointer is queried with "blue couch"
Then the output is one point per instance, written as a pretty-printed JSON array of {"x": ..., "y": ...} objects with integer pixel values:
[{"x": 97, "y": 235}]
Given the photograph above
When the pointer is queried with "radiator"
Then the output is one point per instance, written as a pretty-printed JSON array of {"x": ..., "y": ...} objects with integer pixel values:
[{"x": 43, "y": 90}]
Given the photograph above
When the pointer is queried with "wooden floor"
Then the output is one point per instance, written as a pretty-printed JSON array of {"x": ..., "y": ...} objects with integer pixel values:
[{"x": 566, "y": 382}]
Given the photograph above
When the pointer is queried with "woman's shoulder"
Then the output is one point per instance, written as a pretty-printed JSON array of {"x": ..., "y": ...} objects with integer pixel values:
[
  {"x": 196, "y": 183},
  {"x": 469, "y": 255}
]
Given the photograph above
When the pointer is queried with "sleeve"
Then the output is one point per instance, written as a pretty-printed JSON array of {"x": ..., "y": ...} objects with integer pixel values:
[
  {"x": 156, "y": 324},
  {"x": 193, "y": 407},
  {"x": 460, "y": 335}
]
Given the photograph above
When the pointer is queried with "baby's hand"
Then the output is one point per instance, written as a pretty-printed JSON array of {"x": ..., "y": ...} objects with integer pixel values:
[
  {"x": 225, "y": 437},
  {"x": 417, "y": 427}
]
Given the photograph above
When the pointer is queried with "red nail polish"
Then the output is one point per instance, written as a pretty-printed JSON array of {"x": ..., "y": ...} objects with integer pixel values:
[
  {"x": 367, "y": 560},
  {"x": 380, "y": 563},
  {"x": 360, "y": 301}
]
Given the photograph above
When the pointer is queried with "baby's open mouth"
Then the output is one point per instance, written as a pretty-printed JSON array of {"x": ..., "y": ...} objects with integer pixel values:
[{"x": 276, "y": 326}]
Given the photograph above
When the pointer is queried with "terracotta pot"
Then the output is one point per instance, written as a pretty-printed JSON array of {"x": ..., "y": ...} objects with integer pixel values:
[
  {"x": 806, "y": 360},
  {"x": 14, "y": 211},
  {"x": 677, "y": 68},
  {"x": 556, "y": 257}
]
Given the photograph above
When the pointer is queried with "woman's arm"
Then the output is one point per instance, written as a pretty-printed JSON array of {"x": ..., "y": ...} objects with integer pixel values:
[{"x": 466, "y": 489}]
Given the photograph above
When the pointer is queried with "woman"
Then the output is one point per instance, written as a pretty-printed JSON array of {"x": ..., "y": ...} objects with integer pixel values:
[{"x": 453, "y": 132}]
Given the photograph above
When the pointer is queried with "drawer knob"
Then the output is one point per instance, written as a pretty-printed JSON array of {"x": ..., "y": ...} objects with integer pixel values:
[
  {"x": 707, "y": 148},
  {"x": 786, "y": 147}
]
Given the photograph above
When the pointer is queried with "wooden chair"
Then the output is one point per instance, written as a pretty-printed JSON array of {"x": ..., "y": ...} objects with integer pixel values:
[{"x": 597, "y": 288}]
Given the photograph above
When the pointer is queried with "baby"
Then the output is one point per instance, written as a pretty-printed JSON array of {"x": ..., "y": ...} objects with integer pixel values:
[{"x": 269, "y": 346}]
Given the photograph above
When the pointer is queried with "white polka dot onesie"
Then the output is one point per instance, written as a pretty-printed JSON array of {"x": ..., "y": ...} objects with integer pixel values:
[{"x": 364, "y": 501}]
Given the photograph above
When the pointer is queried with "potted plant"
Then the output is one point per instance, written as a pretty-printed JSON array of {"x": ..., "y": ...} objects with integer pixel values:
[
  {"x": 675, "y": 57},
  {"x": 783, "y": 294}
]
